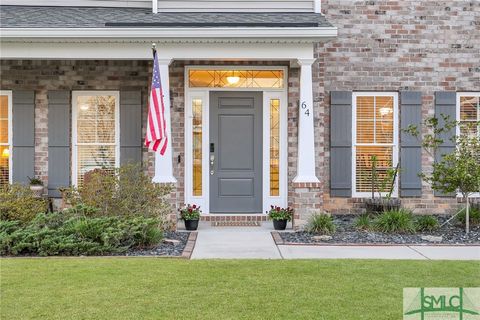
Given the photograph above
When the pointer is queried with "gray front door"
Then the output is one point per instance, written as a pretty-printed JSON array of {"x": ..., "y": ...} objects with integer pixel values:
[{"x": 235, "y": 152}]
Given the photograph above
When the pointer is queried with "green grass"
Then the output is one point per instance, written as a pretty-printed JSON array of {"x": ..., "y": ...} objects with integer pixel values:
[{"x": 149, "y": 288}]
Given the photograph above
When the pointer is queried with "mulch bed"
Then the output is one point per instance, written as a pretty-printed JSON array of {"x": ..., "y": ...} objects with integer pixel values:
[
  {"x": 181, "y": 246},
  {"x": 346, "y": 233}
]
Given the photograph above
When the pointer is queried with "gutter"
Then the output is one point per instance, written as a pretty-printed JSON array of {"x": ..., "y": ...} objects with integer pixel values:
[{"x": 299, "y": 33}]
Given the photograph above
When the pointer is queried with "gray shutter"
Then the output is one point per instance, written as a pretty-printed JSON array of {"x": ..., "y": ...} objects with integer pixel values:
[
  {"x": 23, "y": 118},
  {"x": 59, "y": 119},
  {"x": 130, "y": 126},
  {"x": 445, "y": 103},
  {"x": 410, "y": 147},
  {"x": 341, "y": 143}
]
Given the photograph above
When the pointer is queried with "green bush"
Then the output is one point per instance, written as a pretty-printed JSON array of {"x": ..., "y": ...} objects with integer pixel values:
[
  {"x": 426, "y": 223},
  {"x": 18, "y": 202},
  {"x": 395, "y": 221},
  {"x": 65, "y": 233},
  {"x": 474, "y": 215},
  {"x": 321, "y": 223},
  {"x": 363, "y": 222},
  {"x": 129, "y": 192}
]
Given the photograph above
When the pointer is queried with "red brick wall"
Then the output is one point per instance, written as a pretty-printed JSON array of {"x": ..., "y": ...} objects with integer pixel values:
[{"x": 384, "y": 45}]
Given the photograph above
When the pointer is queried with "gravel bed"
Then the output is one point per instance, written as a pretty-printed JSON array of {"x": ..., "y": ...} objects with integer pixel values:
[
  {"x": 346, "y": 233},
  {"x": 165, "y": 248}
]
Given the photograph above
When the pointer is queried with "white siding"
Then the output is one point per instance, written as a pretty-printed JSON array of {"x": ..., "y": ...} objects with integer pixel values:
[{"x": 185, "y": 5}]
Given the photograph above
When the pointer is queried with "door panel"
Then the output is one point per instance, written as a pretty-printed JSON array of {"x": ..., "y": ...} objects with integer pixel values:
[{"x": 236, "y": 148}]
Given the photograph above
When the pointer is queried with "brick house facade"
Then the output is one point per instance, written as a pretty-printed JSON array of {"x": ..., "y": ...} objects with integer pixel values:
[{"x": 382, "y": 46}]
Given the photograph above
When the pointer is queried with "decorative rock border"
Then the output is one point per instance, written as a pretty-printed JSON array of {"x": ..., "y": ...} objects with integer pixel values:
[
  {"x": 279, "y": 241},
  {"x": 187, "y": 251}
]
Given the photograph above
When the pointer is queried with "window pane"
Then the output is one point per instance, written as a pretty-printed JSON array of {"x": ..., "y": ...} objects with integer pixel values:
[
  {"x": 364, "y": 163},
  {"x": 236, "y": 78},
  {"x": 365, "y": 108},
  {"x": 365, "y": 131},
  {"x": 197, "y": 147},
  {"x": 275, "y": 147},
  {"x": 3, "y": 107},
  {"x": 468, "y": 108},
  {"x": 94, "y": 157},
  {"x": 384, "y": 131},
  {"x": 3, "y": 131},
  {"x": 4, "y": 165},
  {"x": 96, "y": 119}
]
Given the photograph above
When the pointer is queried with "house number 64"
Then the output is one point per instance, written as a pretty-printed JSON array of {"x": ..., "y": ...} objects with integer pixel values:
[{"x": 304, "y": 107}]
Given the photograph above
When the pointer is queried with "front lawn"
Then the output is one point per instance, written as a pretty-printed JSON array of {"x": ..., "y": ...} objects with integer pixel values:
[{"x": 152, "y": 288}]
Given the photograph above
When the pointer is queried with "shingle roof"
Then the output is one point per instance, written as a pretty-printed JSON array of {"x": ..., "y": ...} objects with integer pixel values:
[{"x": 89, "y": 17}]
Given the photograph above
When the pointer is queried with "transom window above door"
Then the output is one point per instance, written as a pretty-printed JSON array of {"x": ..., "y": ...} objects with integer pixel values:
[{"x": 211, "y": 78}]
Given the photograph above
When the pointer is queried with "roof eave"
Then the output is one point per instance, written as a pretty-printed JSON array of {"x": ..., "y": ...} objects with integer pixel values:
[{"x": 312, "y": 34}]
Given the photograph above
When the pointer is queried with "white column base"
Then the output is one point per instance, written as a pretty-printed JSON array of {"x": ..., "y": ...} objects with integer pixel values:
[{"x": 305, "y": 179}]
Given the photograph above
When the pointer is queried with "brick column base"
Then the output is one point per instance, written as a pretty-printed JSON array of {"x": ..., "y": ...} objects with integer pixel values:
[
  {"x": 171, "y": 198},
  {"x": 306, "y": 200}
]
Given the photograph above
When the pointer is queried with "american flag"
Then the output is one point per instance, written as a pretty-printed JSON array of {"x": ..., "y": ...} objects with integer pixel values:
[{"x": 156, "y": 138}]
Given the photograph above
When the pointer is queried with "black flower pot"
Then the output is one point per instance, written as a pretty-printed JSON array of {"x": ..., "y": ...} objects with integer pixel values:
[
  {"x": 280, "y": 224},
  {"x": 191, "y": 225}
]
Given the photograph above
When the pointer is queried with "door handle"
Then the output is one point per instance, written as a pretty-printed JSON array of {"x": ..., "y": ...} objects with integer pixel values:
[{"x": 212, "y": 164}]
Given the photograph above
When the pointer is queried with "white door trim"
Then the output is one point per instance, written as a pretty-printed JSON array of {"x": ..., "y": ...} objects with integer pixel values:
[{"x": 204, "y": 93}]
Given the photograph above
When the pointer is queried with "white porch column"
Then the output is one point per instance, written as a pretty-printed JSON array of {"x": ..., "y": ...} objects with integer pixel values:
[
  {"x": 306, "y": 135},
  {"x": 163, "y": 164}
]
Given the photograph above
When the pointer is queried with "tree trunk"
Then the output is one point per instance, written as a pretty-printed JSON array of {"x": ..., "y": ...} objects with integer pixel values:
[{"x": 467, "y": 216}]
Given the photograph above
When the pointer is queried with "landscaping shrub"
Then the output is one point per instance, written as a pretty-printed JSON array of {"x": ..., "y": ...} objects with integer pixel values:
[
  {"x": 363, "y": 222},
  {"x": 426, "y": 223},
  {"x": 128, "y": 192},
  {"x": 17, "y": 202},
  {"x": 395, "y": 221},
  {"x": 66, "y": 233},
  {"x": 321, "y": 223},
  {"x": 474, "y": 215}
]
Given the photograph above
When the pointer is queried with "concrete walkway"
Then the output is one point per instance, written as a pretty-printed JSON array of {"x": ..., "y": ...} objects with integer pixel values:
[
  {"x": 257, "y": 243},
  {"x": 234, "y": 243}
]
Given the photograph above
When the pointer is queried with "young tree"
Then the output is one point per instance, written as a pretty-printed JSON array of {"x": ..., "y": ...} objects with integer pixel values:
[{"x": 458, "y": 171}]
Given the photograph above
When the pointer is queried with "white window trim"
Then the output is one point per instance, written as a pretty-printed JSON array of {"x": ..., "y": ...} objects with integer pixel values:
[
  {"x": 204, "y": 94},
  {"x": 395, "y": 143},
  {"x": 8, "y": 93},
  {"x": 75, "y": 95},
  {"x": 457, "y": 116}
]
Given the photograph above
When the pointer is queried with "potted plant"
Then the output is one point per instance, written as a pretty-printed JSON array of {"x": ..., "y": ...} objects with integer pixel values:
[
  {"x": 36, "y": 185},
  {"x": 280, "y": 217},
  {"x": 190, "y": 215}
]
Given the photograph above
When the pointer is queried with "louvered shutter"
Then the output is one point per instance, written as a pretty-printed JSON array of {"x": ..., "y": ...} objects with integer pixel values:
[
  {"x": 341, "y": 143},
  {"x": 410, "y": 147}
]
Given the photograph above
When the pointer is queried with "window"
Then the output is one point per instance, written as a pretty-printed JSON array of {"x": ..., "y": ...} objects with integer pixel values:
[
  {"x": 5, "y": 137},
  {"x": 199, "y": 78},
  {"x": 275, "y": 147},
  {"x": 95, "y": 132},
  {"x": 468, "y": 115},
  {"x": 197, "y": 146},
  {"x": 468, "y": 112},
  {"x": 375, "y": 138}
]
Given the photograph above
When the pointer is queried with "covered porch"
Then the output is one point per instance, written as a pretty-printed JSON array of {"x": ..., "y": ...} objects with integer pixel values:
[{"x": 276, "y": 66}]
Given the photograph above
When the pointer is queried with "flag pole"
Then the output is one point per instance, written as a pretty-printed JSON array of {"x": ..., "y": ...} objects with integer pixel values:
[{"x": 154, "y": 48}]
